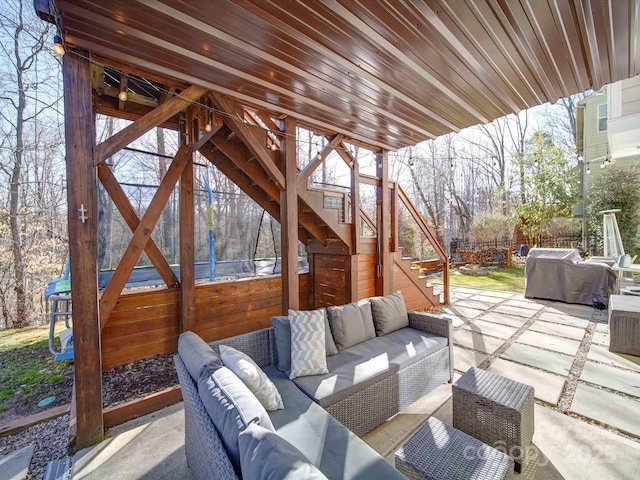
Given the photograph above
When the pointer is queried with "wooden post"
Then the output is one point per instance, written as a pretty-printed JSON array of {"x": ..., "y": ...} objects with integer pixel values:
[
  {"x": 82, "y": 201},
  {"x": 355, "y": 228},
  {"x": 395, "y": 213},
  {"x": 187, "y": 258},
  {"x": 289, "y": 220},
  {"x": 384, "y": 279}
]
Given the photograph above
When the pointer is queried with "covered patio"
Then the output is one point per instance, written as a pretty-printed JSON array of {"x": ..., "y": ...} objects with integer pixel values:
[
  {"x": 237, "y": 79},
  {"x": 586, "y": 409}
]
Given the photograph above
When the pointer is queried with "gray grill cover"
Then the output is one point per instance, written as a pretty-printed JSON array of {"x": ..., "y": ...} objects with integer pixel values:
[{"x": 559, "y": 274}]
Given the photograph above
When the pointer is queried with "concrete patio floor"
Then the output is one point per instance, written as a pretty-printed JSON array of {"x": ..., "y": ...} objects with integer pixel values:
[{"x": 587, "y": 409}]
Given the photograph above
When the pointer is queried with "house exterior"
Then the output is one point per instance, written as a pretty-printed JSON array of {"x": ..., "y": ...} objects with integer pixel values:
[{"x": 607, "y": 133}]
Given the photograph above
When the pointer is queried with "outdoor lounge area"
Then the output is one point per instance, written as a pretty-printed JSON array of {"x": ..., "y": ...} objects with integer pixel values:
[
  {"x": 263, "y": 92},
  {"x": 586, "y": 398}
]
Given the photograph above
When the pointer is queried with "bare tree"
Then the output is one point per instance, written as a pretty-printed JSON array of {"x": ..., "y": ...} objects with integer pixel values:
[{"x": 23, "y": 41}]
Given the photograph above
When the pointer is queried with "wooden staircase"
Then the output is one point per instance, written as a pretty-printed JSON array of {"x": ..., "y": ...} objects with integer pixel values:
[
  {"x": 412, "y": 274},
  {"x": 324, "y": 222}
]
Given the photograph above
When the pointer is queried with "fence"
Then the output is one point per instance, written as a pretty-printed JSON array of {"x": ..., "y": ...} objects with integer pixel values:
[{"x": 519, "y": 249}]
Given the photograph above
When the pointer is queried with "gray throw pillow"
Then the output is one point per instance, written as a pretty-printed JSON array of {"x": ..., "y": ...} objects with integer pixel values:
[
  {"x": 308, "y": 353},
  {"x": 197, "y": 355},
  {"x": 389, "y": 313},
  {"x": 232, "y": 407},
  {"x": 265, "y": 455},
  {"x": 282, "y": 330},
  {"x": 351, "y": 324}
]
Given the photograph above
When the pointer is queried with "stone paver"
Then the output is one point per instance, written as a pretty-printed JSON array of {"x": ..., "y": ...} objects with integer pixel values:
[
  {"x": 600, "y": 338},
  {"x": 612, "y": 377},
  {"x": 461, "y": 311},
  {"x": 455, "y": 320},
  {"x": 575, "y": 333},
  {"x": 548, "y": 387},
  {"x": 503, "y": 319},
  {"x": 470, "y": 291},
  {"x": 496, "y": 293},
  {"x": 464, "y": 359},
  {"x": 609, "y": 408},
  {"x": 513, "y": 310},
  {"x": 490, "y": 328},
  {"x": 577, "y": 450},
  {"x": 528, "y": 304},
  {"x": 476, "y": 341},
  {"x": 555, "y": 317},
  {"x": 14, "y": 465},
  {"x": 581, "y": 311},
  {"x": 602, "y": 354},
  {"x": 602, "y": 327},
  {"x": 535, "y": 357},
  {"x": 474, "y": 304},
  {"x": 549, "y": 342},
  {"x": 486, "y": 299}
]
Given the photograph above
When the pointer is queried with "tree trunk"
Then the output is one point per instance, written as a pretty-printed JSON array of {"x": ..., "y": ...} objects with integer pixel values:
[{"x": 21, "y": 319}]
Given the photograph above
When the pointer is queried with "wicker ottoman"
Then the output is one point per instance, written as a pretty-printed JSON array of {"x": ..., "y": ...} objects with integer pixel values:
[
  {"x": 624, "y": 324},
  {"x": 438, "y": 451},
  {"x": 495, "y": 410}
]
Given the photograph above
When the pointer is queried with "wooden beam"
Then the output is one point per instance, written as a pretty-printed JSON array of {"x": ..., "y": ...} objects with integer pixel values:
[
  {"x": 384, "y": 272},
  {"x": 120, "y": 200},
  {"x": 258, "y": 148},
  {"x": 23, "y": 423},
  {"x": 289, "y": 220},
  {"x": 142, "y": 234},
  {"x": 187, "y": 258},
  {"x": 82, "y": 218},
  {"x": 204, "y": 138},
  {"x": 136, "y": 408},
  {"x": 313, "y": 164},
  {"x": 395, "y": 214},
  {"x": 151, "y": 120}
]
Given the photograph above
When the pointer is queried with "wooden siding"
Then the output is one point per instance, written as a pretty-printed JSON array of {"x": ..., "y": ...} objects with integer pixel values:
[
  {"x": 146, "y": 323},
  {"x": 366, "y": 275},
  {"x": 413, "y": 297},
  {"x": 330, "y": 285}
]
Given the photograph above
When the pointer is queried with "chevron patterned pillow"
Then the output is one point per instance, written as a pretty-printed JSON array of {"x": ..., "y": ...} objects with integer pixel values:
[{"x": 308, "y": 351}]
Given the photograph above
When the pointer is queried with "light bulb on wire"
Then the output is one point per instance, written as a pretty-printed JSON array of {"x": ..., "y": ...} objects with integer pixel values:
[
  {"x": 274, "y": 147},
  {"x": 58, "y": 46},
  {"x": 123, "y": 95},
  {"x": 588, "y": 169}
]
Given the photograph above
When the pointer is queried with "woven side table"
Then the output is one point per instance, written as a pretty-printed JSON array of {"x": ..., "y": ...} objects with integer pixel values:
[
  {"x": 438, "y": 451},
  {"x": 495, "y": 410},
  {"x": 624, "y": 324}
]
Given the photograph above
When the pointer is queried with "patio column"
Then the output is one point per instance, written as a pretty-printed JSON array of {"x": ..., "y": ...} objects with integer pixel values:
[
  {"x": 289, "y": 220},
  {"x": 187, "y": 241},
  {"x": 82, "y": 218},
  {"x": 384, "y": 272},
  {"x": 355, "y": 228}
]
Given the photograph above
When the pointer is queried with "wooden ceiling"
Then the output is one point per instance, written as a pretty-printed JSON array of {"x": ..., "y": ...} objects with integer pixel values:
[{"x": 387, "y": 73}]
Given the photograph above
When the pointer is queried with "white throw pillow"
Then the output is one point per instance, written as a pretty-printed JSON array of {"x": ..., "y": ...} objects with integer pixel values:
[
  {"x": 253, "y": 377},
  {"x": 308, "y": 350}
]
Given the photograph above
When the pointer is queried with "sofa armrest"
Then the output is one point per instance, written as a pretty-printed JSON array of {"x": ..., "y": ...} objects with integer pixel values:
[{"x": 437, "y": 325}]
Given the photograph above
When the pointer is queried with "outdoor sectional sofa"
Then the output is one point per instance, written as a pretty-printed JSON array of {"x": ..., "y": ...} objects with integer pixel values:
[{"x": 323, "y": 415}]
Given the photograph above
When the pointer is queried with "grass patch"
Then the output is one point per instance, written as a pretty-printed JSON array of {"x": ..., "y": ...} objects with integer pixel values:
[
  {"x": 28, "y": 371},
  {"x": 507, "y": 279}
]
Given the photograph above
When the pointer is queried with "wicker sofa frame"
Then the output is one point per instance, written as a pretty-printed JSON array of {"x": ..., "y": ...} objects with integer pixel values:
[{"x": 360, "y": 412}]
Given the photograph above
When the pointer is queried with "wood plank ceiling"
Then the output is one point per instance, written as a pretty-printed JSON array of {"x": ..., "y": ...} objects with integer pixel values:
[{"x": 386, "y": 73}]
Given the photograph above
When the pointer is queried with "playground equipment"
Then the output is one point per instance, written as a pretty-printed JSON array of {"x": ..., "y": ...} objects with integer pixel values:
[{"x": 58, "y": 299}]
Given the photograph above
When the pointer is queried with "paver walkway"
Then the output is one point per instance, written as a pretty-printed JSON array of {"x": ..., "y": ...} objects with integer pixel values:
[{"x": 560, "y": 349}]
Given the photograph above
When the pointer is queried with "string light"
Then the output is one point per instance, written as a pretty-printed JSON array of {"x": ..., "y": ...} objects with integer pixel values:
[
  {"x": 58, "y": 47},
  {"x": 123, "y": 95},
  {"x": 207, "y": 127},
  {"x": 274, "y": 147},
  {"x": 580, "y": 157},
  {"x": 588, "y": 169},
  {"x": 452, "y": 167},
  {"x": 602, "y": 165}
]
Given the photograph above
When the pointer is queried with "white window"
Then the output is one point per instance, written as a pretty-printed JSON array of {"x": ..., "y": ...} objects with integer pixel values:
[{"x": 602, "y": 117}]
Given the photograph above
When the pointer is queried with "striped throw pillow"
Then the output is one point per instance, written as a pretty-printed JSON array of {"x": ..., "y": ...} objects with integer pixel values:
[{"x": 308, "y": 351}]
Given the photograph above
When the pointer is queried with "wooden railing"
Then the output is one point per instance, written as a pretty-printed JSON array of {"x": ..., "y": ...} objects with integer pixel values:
[{"x": 426, "y": 230}]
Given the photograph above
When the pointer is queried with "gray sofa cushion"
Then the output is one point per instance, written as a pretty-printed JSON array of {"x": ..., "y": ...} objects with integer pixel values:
[
  {"x": 282, "y": 330},
  {"x": 231, "y": 406},
  {"x": 264, "y": 455},
  {"x": 369, "y": 362},
  {"x": 328, "y": 444},
  {"x": 351, "y": 323},
  {"x": 389, "y": 313},
  {"x": 197, "y": 355}
]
